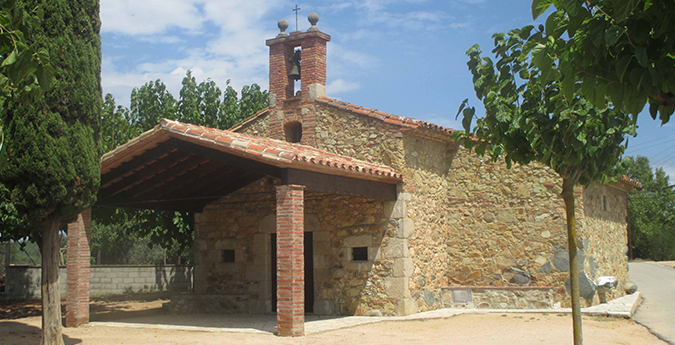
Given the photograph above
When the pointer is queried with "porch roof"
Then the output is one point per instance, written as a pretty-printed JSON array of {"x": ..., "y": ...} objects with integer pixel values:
[{"x": 179, "y": 166}]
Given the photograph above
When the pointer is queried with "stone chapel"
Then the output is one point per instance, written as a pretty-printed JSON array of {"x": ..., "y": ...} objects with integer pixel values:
[{"x": 315, "y": 205}]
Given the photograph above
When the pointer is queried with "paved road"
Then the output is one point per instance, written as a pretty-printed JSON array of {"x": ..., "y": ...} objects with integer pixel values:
[{"x": 657, "y": 285}]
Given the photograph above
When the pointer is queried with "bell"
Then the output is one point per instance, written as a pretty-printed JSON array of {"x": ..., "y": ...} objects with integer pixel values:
[{"x": 295, "y": 71}]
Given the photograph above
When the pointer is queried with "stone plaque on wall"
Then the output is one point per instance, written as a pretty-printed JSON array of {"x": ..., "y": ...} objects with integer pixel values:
[{"x": 461, "y": 296}]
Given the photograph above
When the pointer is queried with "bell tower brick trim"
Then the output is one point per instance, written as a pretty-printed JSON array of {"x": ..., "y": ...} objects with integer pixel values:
[
  {"x": 290, "y": 261},
  {"x": 313, "y": 68},
  {"x": 285, "y": 106},
  {"x": 313, "y": 64},
  {"x": 77, "y": 302}
]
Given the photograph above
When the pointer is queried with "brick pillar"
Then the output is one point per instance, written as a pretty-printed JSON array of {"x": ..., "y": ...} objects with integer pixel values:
[
  {"x": 290, "y": 261},
  {"x": 77, "y": 303},
  {"x": 281, "y": 87},
  {"x": 314, "y": 67}
]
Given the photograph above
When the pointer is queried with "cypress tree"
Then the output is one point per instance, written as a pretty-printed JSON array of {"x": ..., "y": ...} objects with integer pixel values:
[{"x": 53, "y": 169}]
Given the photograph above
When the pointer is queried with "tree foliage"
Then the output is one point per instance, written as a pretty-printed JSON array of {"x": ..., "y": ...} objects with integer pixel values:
[
  {"x": 620, "y": 49},
  {"x": 24, "y": 69},
  {"x": 530, "y": 115},
  {"x": 203, "y": 104},
  {"x": 651, "y": 211},
  {"x": 53, "y": 171}
]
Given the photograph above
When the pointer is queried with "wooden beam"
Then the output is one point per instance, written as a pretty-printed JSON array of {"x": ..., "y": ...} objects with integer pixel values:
[
  {"x": 138, "y": 161},
  {"x": 169, "y": 176},
  {"x": 243, "y": 181},
  {"x": 146, "y": 172},
  {"x": 133, "y": 193},
  {"x": 232, "y": 160},
  {"x": 235, "y": 183},
  {"x": 317, "y": 182},
  {"x": 198, "y": 178}
]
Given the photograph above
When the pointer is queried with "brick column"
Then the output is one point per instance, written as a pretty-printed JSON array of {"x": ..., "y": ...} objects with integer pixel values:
[
  {"x": 290, "y": 261},
  {"x": 314, "y": 67},
  {"x": 77, "y": 302},
  {"x": 281, "y": 87}
]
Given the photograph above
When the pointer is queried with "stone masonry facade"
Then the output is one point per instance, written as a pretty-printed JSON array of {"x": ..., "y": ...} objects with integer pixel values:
[
  {"x": 464, "y": 222},
  {"x": 339, "y": 224},
  {"x": 463, "y": 231}
]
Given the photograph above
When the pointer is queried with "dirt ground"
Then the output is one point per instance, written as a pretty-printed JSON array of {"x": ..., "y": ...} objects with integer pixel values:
[{"x": 508, "y": 329}]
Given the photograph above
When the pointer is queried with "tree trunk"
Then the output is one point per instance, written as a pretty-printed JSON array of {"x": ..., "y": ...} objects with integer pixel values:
[
  {"x": 568, "y": 195},
  {"x": 51, "y": 292}
]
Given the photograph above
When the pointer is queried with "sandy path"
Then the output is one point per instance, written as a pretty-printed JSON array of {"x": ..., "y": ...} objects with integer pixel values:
[{"x": 507, "y": 329}]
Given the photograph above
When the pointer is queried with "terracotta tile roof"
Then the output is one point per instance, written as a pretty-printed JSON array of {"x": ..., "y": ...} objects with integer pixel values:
[
  {"x": 405, "y": 122},
  {"x": 402, "y": 121},
  {"x": 629, "y": 182},
  {"x": 270, "y": 151}
]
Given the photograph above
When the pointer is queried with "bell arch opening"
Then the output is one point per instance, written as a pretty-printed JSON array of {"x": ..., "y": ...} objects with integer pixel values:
[{"x": 293, "y": 131}]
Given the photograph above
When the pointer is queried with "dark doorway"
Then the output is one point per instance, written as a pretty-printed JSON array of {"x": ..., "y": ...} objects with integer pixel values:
[{"x": 309, "y": 272}]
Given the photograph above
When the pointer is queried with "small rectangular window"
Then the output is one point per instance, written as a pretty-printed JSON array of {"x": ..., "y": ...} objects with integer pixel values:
[
  {"x": 603, "y": 200},
  {"x": 228, "y": 255},
  {"x": 360, "y": 254}
]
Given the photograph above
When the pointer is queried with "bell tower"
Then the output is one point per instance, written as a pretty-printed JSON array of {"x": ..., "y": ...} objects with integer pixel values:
[{"x": 298, "y": 58}]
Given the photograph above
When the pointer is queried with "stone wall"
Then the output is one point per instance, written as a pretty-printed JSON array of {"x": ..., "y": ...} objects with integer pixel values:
[
  {"x": 345, "y": 286},
  {"x": 232, "y": 224},
  {"x": 488, "y": 297},
  {"x": 342, "y": 285},
  {"x": 605, "y": 235},
  {"x": 358, "y": 136},
  {"x": 258, "y": 127},
  {"x": 23, "y": 282},
  {"x": 467, "y": 221},
  {"x": 482, "y": 225}
]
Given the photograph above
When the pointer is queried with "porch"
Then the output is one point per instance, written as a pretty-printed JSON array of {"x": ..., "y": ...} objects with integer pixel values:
[{"x": 190, "y": 168}]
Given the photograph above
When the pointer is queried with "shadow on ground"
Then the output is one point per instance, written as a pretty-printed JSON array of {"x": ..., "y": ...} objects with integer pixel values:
[
  {"x": 27, "y": 334},
  {"x": 104, "y": 307},
  {"x": 112, "y": 308}
]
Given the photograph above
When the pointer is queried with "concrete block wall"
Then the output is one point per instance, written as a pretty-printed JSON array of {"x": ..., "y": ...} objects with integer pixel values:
[{"x": 23, "y": 282}]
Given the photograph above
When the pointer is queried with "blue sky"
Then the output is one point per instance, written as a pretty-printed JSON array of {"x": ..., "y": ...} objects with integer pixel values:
[{"x": 405, "y": 57}]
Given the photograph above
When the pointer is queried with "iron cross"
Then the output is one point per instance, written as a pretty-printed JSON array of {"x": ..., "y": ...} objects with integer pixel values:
[{"x": 296, "y": 9}]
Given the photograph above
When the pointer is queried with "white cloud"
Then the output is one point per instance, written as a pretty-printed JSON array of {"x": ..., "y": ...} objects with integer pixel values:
[
  {"x": 339, "y": 86},
  {"x": 161, "y": 39},
  {"x": 412, "y": 21},
  {"x": 171, "y": 72},
  {"x": 233, "y": 38},
  {"x": 146, "y": 17},
  {"x": 337, "y": 6},
  {"x": 345, "y": 62}
]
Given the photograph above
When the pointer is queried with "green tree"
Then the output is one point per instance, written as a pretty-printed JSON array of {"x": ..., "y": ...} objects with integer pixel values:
[
  {"x": 115, "y": 127},
  {"x": 252, "y": 100},
  {"x": 23, "y": 68},
  {"x": 53, "y": 170},
  {"x": 149, "y": 104},
  {"x": 529, "y": 118},
  {"x": 651, "y": 211},
  {"x": 202, "y": 104},
  {"x": 621, "y": 49}
]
